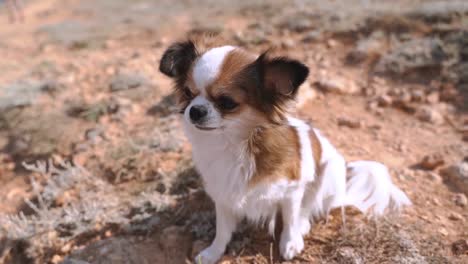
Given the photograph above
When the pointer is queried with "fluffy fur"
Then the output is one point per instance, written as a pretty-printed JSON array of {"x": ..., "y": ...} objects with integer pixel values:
[{"x": 256, "y": 160}]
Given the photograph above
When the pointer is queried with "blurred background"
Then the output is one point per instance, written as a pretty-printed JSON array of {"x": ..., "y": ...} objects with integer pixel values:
[{"x": 94, "y": 167}]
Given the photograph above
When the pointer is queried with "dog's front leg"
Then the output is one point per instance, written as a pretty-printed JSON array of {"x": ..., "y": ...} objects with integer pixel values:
[
  {"x": 291, "y": 242},
  {"x": 226, "y": 222}
]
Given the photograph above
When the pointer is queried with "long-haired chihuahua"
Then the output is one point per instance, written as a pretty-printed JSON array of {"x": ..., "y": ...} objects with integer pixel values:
[{"x": 256, "y": 160}]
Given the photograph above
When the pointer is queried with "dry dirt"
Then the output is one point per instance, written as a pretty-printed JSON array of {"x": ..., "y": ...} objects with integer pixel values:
[{"x": 94, "y": 167}]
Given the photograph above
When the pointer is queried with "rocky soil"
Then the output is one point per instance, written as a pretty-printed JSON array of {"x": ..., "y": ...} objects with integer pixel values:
[{"x": 94, "y": 167}]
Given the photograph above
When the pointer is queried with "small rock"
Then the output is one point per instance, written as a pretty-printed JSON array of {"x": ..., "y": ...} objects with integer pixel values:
[
  {"x": 56, "y": 259},
  {"x": 298, "y": 24},
  {"x": 415, "y": 54},
  {"x": 349, "y": 255},
  {"x": 338, "y": 85},
  {"x": 460, "y": 247},
  {"x": 331, "y": 43},
  {"x": 368, "y": 48},
  {"x": 434, "y": 177},
  {"x": 312, "y": 36},
  {"x": 19, "y": 94},
  {"x": 432, "y": 98},
  {"x": 403, "y": 98},
  {"x": 443, "y": 231},
  {"x": 460, "y": 200},
  {"x": 432, "y": 161},
  {"x": 115, "y": 250},
  {"x": 288, "y": 43},
  {"x": 161, "y": 188},
  {"x": 95, "y": 135},
  {"x": 457, "y": 176},
  {"x": 66, "y": 248},
  {"x": 372, "y": 105},
  {"x": 351, "y": 123},
  {"x": 126, "y": 81},
  {"x": 430, "y": 115},
  {"x": 407, "y": 174},
  {"x": 384, "y": 100},
  {"x": 455, "y": 217},
  {"x": 417, "y": 95}
]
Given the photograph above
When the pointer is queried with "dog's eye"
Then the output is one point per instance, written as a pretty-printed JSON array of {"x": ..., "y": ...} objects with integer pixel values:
[
  {"x": 187, "y": 93},
  {"x": 226, "y": 103}
]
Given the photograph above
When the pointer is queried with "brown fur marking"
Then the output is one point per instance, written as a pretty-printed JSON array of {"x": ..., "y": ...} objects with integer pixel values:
[
  {"x": 316, "y": 148},
  {"x": 276, "y": 150},
  {"x": 225, "y": 84}
]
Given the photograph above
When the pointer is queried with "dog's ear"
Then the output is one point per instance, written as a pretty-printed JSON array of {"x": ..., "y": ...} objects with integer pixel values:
[
  {"x": 178, "y": 58},
  {"x": 281, "y": 76},
  {"x": 276, "y": 80},
  {"x": 272, "y": 83}
]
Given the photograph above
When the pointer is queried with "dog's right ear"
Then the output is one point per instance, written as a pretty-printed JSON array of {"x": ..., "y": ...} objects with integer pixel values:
[{"x": 178, "y": 58}]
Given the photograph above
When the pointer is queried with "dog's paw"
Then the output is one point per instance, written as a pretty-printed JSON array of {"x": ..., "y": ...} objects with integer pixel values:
[
  {"x": 208, "y": 256},
  {"x": 304, "y": 224},
  {"x": 290, "y": 246}
]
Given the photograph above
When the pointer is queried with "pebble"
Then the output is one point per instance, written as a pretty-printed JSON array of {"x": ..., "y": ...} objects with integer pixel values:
[
  {"x": 94, "y": 135},
  {"x": 455, "y": 217},
  {"x": 460, "y": 200},
  {"x": 434, "y": 177},
  {"x": 432, "y": 98},
  {"x": 126, "y": 81},
  {"x": 347, "y": 254},
  {"x": 417, "y": 95},
  {"x": 430, "y": 115},
  {"x": 348, "y": 122},
  {"x": 443, "y": 231},
  {"x": 384, "y": 100},
  {"x": 56, "y": 259},
  {"x": 299, "y": 24},
  {"x": 338, "y": 85},
  {"x": 406, "y": 174},
  {"x": 457, "y": 176},
  {"x": 288, "y": 43},
  {"x": 432, "y": 161},
  {"x": 312, "y": 36}
]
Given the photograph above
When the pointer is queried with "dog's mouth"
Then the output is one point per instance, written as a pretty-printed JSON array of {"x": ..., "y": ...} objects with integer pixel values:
[{"x": 206, "y": 128}]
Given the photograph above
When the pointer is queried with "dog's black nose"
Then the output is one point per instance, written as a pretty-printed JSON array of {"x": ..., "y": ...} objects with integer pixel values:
[{"x": 197, "y": 112}]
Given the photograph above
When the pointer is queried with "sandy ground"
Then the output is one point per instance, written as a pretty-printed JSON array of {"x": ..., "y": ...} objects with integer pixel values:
[{"x": 80, "y": 89}]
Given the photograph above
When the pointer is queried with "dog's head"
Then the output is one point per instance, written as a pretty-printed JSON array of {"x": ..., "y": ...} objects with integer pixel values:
[{"x": 226, "y": 88}]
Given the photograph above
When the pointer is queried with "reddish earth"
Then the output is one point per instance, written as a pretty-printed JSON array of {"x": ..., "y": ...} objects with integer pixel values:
[{"x": 80, "y": 83}]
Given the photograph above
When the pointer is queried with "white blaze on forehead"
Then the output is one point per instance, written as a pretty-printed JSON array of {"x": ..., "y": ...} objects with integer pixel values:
[{"x": 208, "y": 66}]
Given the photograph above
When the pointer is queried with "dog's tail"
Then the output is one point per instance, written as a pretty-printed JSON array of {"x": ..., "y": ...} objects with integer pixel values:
[{"x": 370, "y": 188}]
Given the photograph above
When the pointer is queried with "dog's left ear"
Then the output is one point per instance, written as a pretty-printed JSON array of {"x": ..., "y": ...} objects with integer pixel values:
[
  {"x": 282, "y": 76},
  {"x": 178, "y": 58}
]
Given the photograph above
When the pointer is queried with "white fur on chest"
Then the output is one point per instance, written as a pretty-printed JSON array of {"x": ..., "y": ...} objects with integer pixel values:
[{"x": 226, "y": 169}]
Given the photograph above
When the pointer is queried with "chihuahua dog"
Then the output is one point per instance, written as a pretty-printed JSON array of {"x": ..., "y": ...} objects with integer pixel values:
[{"x": 255, "y": 159}]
